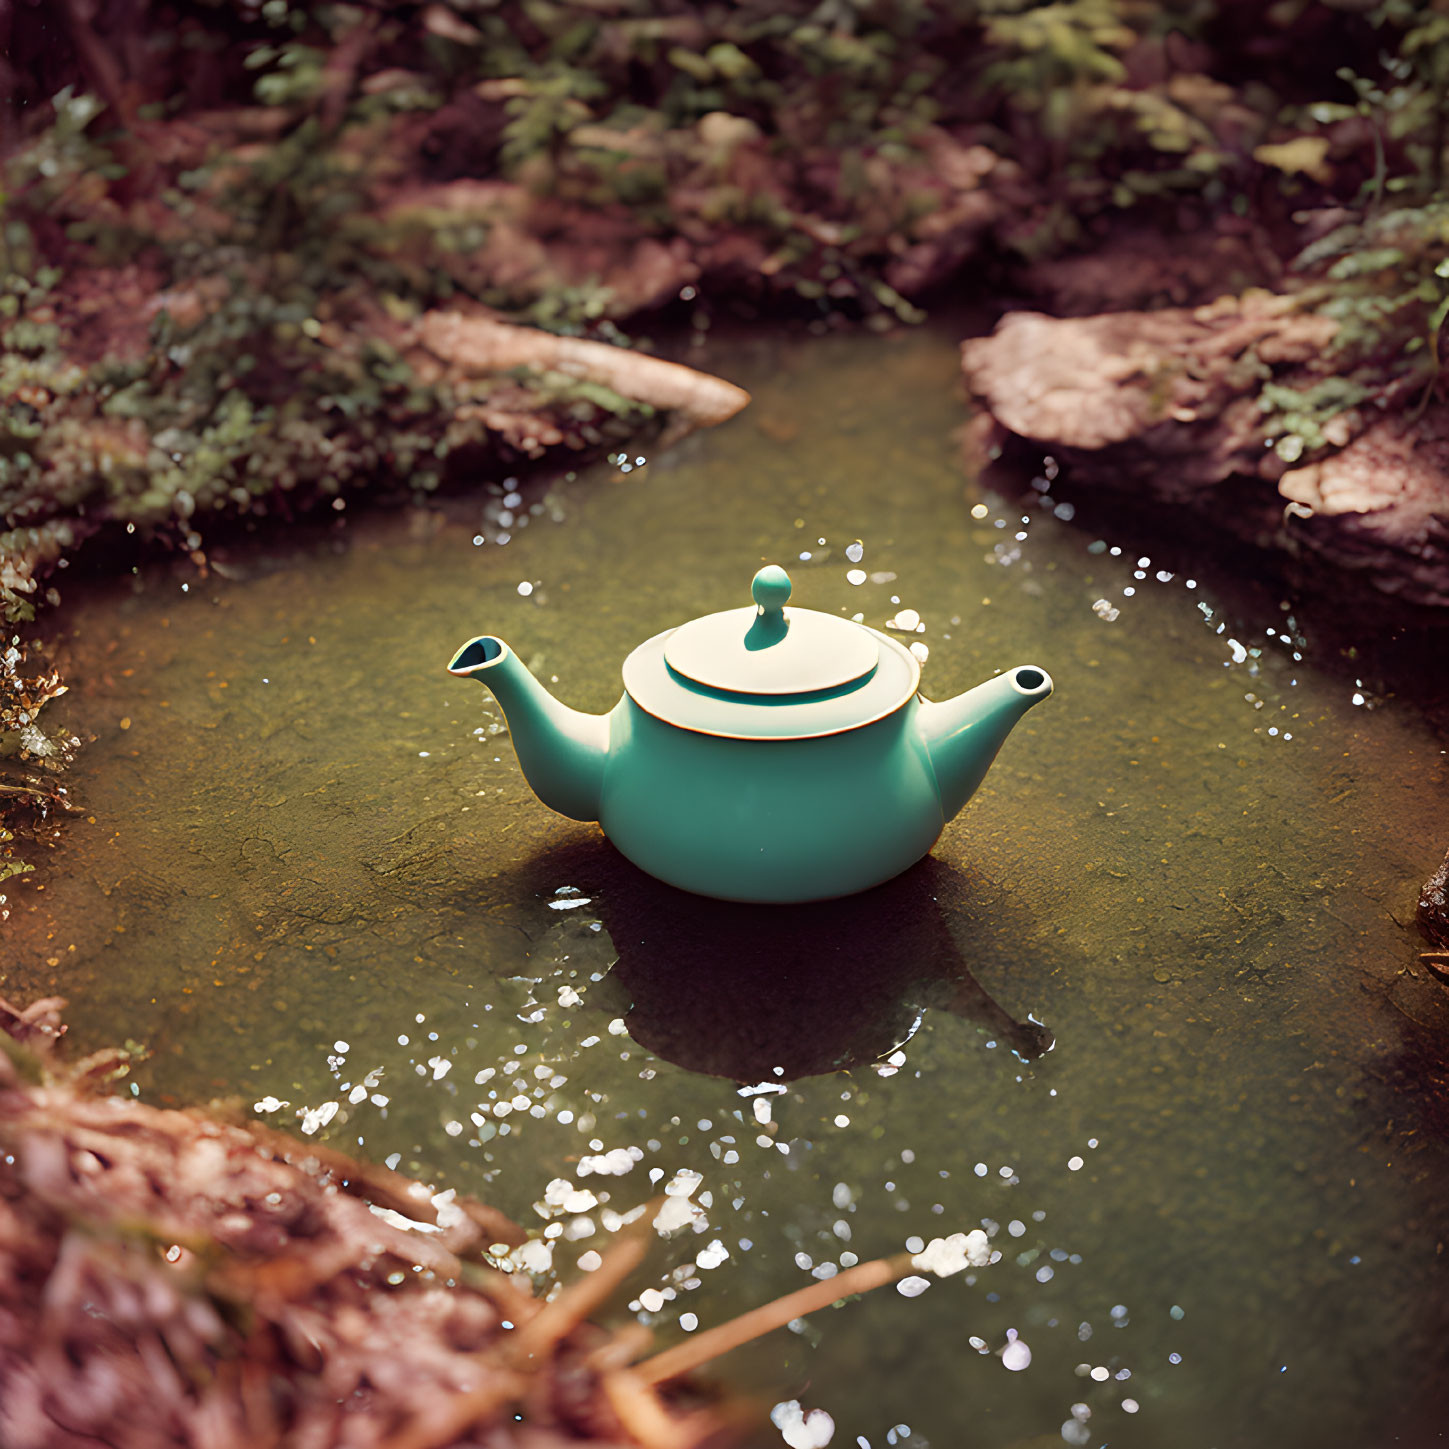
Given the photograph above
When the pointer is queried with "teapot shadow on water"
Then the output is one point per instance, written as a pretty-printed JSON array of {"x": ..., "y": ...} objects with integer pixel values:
[{"x": 759, "y": 993}]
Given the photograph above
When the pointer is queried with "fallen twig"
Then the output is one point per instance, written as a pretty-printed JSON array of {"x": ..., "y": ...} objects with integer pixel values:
[
  {"x": 758, "y": 1321},
  {"x": 943, "y": 1257},
  {"x": 558, "y": 1319},
  {"x": 481, "y": 344}
]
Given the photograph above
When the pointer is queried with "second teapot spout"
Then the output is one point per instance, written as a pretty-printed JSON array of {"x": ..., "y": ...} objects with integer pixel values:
[{"x": 964, "y": 734}]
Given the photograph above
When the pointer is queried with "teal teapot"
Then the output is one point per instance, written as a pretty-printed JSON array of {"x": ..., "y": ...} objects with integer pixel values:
[{"x": 761, "y": 754}]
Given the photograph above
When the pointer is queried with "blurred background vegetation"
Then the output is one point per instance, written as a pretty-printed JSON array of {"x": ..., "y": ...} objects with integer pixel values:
[{"x": 222, "y": 219}]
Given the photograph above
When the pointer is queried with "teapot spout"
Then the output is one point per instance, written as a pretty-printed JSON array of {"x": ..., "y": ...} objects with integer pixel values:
[
  {"x": 963, "y": 735},
  {"x": 561, "y": 750}
]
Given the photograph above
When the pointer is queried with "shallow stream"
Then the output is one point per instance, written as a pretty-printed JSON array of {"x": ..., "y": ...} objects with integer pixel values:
[{"x": 309, "y": 875}]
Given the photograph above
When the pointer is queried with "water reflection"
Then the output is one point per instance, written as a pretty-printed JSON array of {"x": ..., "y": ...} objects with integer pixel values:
[{"x": 771, "y": 993}]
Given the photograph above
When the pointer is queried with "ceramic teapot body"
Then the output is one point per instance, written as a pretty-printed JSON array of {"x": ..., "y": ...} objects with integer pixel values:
[
  {"x": 769, "y": 820},
  {"x": 761, "y": 792}
]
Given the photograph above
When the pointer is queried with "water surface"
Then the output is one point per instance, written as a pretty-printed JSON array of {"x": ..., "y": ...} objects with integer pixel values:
[{"x": 310, "y": 876}]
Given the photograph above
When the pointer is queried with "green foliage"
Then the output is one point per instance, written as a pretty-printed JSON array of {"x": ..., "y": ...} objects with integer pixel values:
[
  {"x": 1383, "y": 275},
  {"x": 1384, "y": 280},
  {"x": 1387, "y": 285},
  {"x": 295, "y": 74},
  {"x": 67, "y": 149},
  {"x": 553, "y": 104},
  {"x": 1412, "y": 104},
  {"x": 571, "y": 311},
  {"x": 1297, "y": 417},
  {"x": 1051, "y": 58},
  {"x": 265, "y": 373}
]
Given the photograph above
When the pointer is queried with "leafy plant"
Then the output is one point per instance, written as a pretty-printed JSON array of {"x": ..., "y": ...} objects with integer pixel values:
[{"x": 1053, "y": 59}]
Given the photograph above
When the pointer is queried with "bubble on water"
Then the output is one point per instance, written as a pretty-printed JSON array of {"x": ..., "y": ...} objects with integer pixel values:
[
  {"x": 1016, "y": 1355},
  {"x": 801, "y": 1430},
  {"x": 912, "y": 1287},
  {"x": 712, "y": 1255},
  {"x": 683, "y": 1183}
]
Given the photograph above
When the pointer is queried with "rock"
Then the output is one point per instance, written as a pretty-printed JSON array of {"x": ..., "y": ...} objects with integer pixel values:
[
  {"x": 1170, "y": 393},
  {"x": 1381, "y": 504},
  {"x": 1166, "y": 403}
]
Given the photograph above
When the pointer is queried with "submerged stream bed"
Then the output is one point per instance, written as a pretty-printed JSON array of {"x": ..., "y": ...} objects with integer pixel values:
[{"x": 1142, "y": 1014}]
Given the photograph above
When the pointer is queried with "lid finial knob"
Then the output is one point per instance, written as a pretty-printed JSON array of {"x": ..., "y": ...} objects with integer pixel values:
[{"x": 771, "y": 590}]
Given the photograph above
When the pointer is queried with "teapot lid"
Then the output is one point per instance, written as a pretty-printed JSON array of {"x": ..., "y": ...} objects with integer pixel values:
[
  {"x": 769, "y": 649},
  {"x": 765, "y": 672}
]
